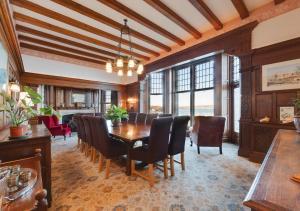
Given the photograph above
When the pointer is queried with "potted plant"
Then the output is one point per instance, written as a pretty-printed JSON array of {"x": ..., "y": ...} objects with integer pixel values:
[
  {"x": 18, "y": 112},
  {"x": 36, "y": 98},
  {"x": 297, "y": 116},
  {"x": 115, "y": 114}
]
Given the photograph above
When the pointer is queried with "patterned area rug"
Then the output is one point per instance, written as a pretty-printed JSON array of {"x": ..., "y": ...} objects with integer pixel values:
[{"x": 211, "y": 182}]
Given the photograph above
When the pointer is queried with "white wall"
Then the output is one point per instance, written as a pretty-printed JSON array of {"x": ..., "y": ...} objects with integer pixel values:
[
  {"x": 278, "y": 29},
  {"x": 39, "y": 65}
]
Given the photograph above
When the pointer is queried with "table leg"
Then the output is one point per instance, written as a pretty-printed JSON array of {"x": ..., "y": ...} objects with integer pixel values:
[{"x": 128, "y": 164}]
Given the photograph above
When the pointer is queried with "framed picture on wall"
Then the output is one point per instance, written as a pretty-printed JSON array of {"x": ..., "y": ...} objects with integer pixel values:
[
  {"x": 286, "y": 114},
  {"x": 281, "y": 76}
]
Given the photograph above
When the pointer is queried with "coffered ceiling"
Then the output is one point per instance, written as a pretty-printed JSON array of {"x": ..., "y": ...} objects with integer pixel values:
[{"x": 89, "y": 30}]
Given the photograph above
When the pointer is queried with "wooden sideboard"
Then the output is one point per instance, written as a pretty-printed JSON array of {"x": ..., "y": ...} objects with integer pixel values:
[
  {"x": 38, "y": 138},
  {"x": 273, "y": 188}
]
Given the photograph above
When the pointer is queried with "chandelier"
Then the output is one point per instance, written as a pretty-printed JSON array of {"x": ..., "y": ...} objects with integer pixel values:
[{"x": 123, "y": 64}]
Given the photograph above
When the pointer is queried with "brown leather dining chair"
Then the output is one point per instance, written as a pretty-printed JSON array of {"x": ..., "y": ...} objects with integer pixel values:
[
  {"x": 88, "y": 136},
  {"x": 156, "y": 150},
  {"x": 165, "y": 115},
  {"x": 141, "y": 118},
  {"x": 81, "y": 133},
  {"x": 208, "y": 131},
  {"x": 150, "y": 117},
  {"x": 177, "y": 141},
  {"x": 76, "y": 121},
  {"x": 132, "y": 117},
  {"x": 106, "y": 146}
]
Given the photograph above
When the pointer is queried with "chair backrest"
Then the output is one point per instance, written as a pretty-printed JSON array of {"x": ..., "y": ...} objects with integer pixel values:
[
  {"x": 87, "y": 129},
  {"x": 159, "y": 139},
  {"x": 150, "y": 117},
  {"x": 55, "y": 120},
  {"x": 81, "y": 128},
  {"x": 132, "y": 117},
  {"x": 90, "y": 121},
  {"x": 178, "y": 135},
  {"x": 102, "y": 139},
  {"x": 141, "y": 118},
  {"x": 45, "y": 120},
  {"x": 99, "y": 114},
  {"x": 210, "y": 130},
  {"x": 165, "y": 115},
  {"x": 75, "y": 119}
]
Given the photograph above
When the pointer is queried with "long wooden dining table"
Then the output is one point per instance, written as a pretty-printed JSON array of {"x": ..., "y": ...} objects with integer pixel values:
[{"x": 129, "y": 133}]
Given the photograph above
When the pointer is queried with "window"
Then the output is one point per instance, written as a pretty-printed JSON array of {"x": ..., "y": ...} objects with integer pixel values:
[
  {"x": 236, "y": 92},
  {"x": 106, "y": 100},
  {"x": 183, "y": 90},
  {"x": 204, "y": 88},
  {"x": 156, "y": 92}
]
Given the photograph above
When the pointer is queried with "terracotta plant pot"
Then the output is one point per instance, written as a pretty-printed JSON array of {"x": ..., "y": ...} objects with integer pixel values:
[
  {"x": 16, "y": 131},
  {"x": 297, "y": 123}
]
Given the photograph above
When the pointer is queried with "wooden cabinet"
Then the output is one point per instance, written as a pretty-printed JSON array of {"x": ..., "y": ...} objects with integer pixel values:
[
  {"x": 273, "y": 188},
  {"x": 38, "y": 138}
]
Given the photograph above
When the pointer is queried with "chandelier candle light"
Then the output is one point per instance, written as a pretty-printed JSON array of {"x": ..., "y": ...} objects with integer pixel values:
[{"x": 126, "y": 64}]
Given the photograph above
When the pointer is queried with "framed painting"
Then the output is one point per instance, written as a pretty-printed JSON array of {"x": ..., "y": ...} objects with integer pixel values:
[{"x": 281, "y": 76}]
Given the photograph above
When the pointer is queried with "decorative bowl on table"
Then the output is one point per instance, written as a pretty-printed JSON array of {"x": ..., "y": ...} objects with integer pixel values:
[{"x": 16, "y": 182}]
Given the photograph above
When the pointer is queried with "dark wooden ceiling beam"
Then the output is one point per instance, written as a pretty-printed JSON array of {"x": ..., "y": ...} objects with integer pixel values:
[
  {"x": 65, "y": 19},
  {"x": 241, "y": 8},
  {"x": 61, "y": 47},
  {"x": 207, "y": 13},
  {"x": 48, "y": 26},
  {"x": 166, "y": 11},
  {"x": 142, "y": 20},
  {"x": 105, "y": 20},
  {"x": 37, "y": 33},
  {"x": 59, "y": 53},
  {"x": 278, "y": 1}
]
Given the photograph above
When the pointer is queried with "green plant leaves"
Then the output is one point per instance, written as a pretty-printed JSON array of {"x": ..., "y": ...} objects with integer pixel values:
[{"x": 116, "y": 113}]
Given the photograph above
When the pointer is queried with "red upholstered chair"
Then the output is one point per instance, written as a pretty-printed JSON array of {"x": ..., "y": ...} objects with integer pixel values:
[
  {"x": 56, "y": 129},
  {"x": 208, "y": 131}
]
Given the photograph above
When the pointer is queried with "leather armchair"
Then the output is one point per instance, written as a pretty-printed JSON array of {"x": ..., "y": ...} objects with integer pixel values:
[
  {"x": 56, "y": 129},
  {"x": 208, "y": 131}
]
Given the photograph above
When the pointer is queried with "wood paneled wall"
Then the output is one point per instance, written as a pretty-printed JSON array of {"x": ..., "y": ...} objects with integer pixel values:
[
  {"x": 256, "y": 137},
  {"x": 9, "y": 40},
  {"x": 132, "y": 94}
]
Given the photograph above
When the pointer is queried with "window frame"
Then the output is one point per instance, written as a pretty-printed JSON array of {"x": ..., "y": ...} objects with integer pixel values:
[
  {"x": 233, "y": 84},
  {"x": 163, "y": 72},
  {"x": 192, "y": 65}
]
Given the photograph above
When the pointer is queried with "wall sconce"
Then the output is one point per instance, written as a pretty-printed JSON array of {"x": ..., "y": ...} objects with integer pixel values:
[
  {"x": 131, "y": 100},
  {"x": 14, "y": 87}
]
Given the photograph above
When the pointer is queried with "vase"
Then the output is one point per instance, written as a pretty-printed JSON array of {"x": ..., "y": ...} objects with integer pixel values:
[
  {"x": 115, "y": 123},
  {"x": 297, "y": 123},
  {"x": 16, "y": 131}
]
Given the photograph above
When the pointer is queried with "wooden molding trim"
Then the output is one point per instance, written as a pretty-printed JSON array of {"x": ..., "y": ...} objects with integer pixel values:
[
  {"x": 207, "y": 13},
  {"x": 278, "y": 52},
  {"x": 10, "y": 34},
  {"x": 48, "y": 26},
  {"x": 59, "y": 53},
  {"x": 166, "y": 11},
  {"x": 38, "y": 79},
  {"x": 25, "y": 29},
  {"x": 103, "y": 19},
  {"x": 61, "y": 47},
  {"x": 235, "y": 42},
  {"x": 65, "y": 19},
  {"x": 241, "y": 8},
  {"x": 140, "y": 19}
]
